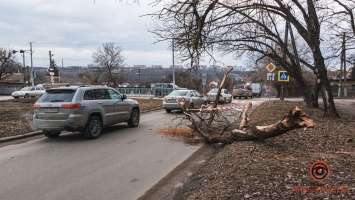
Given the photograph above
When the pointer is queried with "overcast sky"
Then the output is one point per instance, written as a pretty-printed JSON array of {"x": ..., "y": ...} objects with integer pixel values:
[{"x": 73, "y": 29}]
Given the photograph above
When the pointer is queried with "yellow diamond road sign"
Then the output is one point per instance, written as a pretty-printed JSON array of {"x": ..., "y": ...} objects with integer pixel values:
[{"x": 271, "y": 67}]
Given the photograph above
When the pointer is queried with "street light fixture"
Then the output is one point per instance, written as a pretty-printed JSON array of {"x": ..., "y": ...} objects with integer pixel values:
[
  {"x": 23, "y": 55},
  {"x": 24, "y": 65}
]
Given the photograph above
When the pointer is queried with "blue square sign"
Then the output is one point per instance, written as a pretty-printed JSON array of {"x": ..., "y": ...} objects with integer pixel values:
[{"x": 283, "y": 76}]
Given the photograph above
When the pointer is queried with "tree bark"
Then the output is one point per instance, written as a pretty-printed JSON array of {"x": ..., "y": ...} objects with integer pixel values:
[{"x": 296, "y": 118}]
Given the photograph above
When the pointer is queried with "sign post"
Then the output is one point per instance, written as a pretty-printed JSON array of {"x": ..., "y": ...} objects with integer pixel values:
[
  {"x": 270, "y": 76},
  {"x": 203, "y": 82}
]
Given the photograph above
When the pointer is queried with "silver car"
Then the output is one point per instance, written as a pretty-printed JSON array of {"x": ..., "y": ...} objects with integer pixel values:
[
  {"x": 26, "y": 92},
  {"x": 191, "y": 99},
  {"x": 85, "y": 109}
]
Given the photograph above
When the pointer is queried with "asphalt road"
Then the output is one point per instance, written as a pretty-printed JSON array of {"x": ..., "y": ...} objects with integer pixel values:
[{"x": 122, "y": 164}]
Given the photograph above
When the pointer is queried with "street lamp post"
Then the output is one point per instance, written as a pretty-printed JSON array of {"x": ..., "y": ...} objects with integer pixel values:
[{"x": 24, "y": 66}]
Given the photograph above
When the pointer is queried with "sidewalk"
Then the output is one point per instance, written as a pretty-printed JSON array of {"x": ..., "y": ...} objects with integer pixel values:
[{"x": 5, "y": 97}]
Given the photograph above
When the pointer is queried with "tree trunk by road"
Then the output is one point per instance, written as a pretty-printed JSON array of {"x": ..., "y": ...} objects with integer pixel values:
[{"x": 296, "y": 118}]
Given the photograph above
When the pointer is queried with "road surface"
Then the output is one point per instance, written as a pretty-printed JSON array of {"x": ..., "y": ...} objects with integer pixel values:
[{"x": 122, "y": 164}]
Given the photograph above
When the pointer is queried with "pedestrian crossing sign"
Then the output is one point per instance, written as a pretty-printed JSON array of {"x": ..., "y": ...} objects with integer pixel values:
[{"x": 283, "y": 76}]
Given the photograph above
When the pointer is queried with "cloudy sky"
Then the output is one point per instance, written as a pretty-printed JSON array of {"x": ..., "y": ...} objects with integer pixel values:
[{"x": 73, "y": 29}]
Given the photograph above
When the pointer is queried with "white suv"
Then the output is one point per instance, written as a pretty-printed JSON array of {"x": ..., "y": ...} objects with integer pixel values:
[{"x": 83, "y": 108}]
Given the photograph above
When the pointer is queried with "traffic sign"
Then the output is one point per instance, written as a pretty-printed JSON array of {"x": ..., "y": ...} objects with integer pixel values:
[
  {"x": 283, "y": 76},
  {"x": 271, "y": 67},
  {"x": 270, "y": 76}
]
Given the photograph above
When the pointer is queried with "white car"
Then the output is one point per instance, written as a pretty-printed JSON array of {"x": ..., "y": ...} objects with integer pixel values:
[
  {"x": 225, "y": 96},
  {"x": 35, "y": 91}
]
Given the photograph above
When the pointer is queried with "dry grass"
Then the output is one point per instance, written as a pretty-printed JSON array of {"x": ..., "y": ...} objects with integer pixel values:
[{"x": 271, "y": 168}]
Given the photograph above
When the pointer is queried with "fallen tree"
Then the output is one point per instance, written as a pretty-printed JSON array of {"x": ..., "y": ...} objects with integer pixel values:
[
  {"x": 220, "y": 132},
  {"x": 215, "y": 124}
]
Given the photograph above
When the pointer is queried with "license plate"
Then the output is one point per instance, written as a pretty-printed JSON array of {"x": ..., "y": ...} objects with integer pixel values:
[{"x": 51, "y": 110}]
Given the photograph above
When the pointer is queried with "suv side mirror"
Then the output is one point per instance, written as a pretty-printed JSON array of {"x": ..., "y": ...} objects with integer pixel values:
[{"x": 124, "y": 97}]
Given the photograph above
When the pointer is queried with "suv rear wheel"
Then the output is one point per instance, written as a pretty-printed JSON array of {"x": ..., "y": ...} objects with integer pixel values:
[
  {"x": 134, "y": 119},
  {"x": 51, "y": 134},
  {"x": 93, "y": 128}
]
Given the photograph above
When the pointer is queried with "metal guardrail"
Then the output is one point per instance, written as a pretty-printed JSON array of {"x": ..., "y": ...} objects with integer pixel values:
[{"x": 133, "y": 90}]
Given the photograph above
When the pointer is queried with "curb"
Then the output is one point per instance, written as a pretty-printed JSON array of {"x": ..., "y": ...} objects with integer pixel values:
[
  {"x": 152, "y": 109},
  {"x": 5, "y": 139}
]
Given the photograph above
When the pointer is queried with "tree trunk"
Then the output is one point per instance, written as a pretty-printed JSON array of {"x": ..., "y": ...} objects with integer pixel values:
[
  {"x": 315, "y": 94},
  {"x": 327, "y": 96},
  {"x": 296, "y": 118}
]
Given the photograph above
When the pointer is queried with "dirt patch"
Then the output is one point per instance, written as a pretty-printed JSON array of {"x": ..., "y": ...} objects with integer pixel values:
[
  {"x": 16, "y": 114},
  {"x": 279, "y": 167}
]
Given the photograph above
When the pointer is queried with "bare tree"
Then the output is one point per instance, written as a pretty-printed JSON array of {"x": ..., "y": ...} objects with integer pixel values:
[
  {"x": 110, "y": 62},
  {"x": 243, "y": 26},
  {"x": 7, "y": 63}
]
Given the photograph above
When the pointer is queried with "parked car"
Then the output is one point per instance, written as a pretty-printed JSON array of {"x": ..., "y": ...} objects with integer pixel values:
[
  {"x": 191, "y": 99},
  {"x": 225, "y": 96},
  {"x": 31, "y": 91},
  {"x": 85, "y": 109},
  {"x": 242, "y": 91}
]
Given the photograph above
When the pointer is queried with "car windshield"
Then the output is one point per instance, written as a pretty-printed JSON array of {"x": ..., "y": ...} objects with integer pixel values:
[
  {"x": 26, "y": 89},
  {"x": 57, "y": 96},
  {"x": 213, "y": 91},
  {"x": 179, "y": 93}
]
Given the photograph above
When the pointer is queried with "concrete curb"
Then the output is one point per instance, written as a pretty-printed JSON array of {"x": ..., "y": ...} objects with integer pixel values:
[
  {"x": 150, "y": 110},
  {"x": 15, "y": 137}
]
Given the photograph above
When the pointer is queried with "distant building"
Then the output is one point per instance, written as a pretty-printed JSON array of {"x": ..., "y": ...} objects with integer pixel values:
[
  {"x": 157, "y": 67},
  {"x": 139, "y": 67},
  {"x": 176, "y": 67},
  {"x": 62, "y": 81},
  {"x": 13, "y": 82}
]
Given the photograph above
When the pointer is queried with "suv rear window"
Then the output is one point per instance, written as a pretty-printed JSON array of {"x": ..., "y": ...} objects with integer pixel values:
[{"x": 57, "y": 96}]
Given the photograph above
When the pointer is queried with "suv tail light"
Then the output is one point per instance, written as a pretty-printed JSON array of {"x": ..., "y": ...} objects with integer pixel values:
[{"x": 71, "y": 105}]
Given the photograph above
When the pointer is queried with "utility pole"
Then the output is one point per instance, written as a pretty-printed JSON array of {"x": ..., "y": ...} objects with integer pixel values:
[
  {"x": 341, "y": 66},
  {"x": 51, "y": 68},
  {"x": 344, "y": 63},
  {"x": 24, "y": 68},
  {"x": 173, "y": 66},
  {"x": 31, "y": 71},
  {"x": 139, "y": 76}
]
